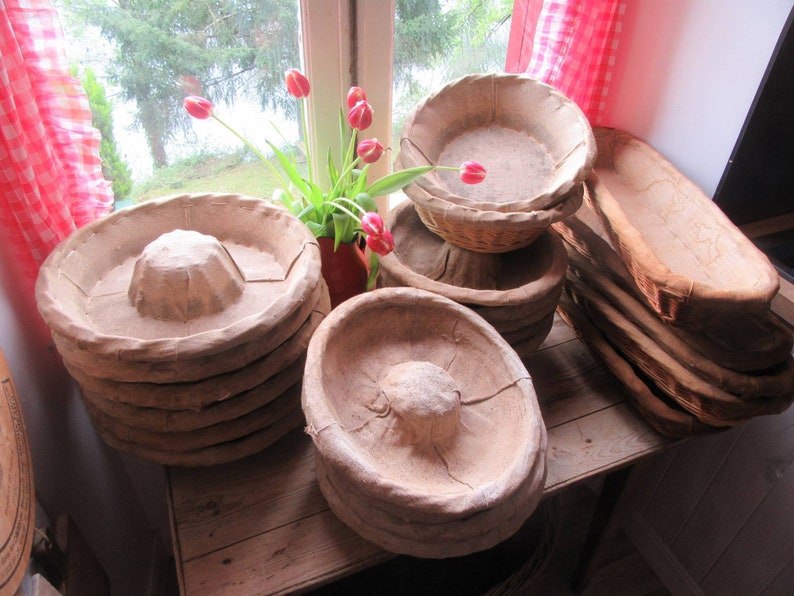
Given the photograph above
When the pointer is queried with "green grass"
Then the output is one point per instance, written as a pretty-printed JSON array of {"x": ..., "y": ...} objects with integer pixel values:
[{"x": 208, "y": 173}]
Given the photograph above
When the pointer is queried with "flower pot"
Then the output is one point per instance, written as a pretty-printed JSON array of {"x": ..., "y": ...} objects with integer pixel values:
[{"x": 345, "y": 269}]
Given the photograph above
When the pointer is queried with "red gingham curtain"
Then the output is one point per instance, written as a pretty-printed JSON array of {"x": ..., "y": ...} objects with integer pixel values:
[
  {"x": 569, "y": 44},
  {"x": 50, "y": 172}
]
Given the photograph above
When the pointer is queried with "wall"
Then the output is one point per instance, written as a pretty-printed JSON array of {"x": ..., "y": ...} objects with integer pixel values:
[
  {"x": 74, "y": 471},
  {"x": 713, "y": 516},
  {"x": 686, "y": 74}
]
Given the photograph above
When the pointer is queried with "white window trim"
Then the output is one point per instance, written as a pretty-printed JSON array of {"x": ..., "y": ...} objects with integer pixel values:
[{"x": 328, "y": 63}]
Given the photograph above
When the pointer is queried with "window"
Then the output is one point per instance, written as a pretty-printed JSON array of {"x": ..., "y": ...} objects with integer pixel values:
[{"x": 236, "y": 54}]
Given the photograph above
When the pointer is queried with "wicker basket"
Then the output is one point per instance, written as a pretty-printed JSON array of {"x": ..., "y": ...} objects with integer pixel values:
[
  {"x": 516, "y": 292},
  {"x": 667, "y": 417},
  {"x": 185, "y": 336},
  {"x": 418, "y": 449},
  {"x": 488, "y": 231},
  {"x": 750, "y": 343},
  {"x": 778, "y": 381},
  {"x": 710, "y": 404},
  {"x": 694, "y": 267},
  {"x": 534, "y": 142}
]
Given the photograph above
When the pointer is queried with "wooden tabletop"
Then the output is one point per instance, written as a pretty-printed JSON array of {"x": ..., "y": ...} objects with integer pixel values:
[{"x": 260, "y": 525}]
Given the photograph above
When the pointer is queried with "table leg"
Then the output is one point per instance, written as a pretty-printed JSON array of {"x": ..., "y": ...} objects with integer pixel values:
[{"x": 601, "y": 522}]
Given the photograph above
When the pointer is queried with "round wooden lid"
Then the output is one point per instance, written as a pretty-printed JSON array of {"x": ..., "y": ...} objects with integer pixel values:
[{"x": 17, "y": 492}]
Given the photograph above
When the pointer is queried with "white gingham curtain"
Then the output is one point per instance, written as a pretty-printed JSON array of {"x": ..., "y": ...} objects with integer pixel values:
[
  {"x": 50, "y": 171},
  {"x": 569, "y": 44}
]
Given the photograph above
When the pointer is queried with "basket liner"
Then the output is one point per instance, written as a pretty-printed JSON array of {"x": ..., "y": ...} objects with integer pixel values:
[
  {"x": 432, "y": 539},
  {"x": 207, "y": 436},
  {"x": 82, "y": 286},
  {"x": 535, "y": 143},
  {"x": 693, "y": 266},
  {"x": 201, "y": 367},
  {"x": 708, "y": 403},
  {"x": 500, "y": 435},
  {"x": 220, "y": 453},
  {"x": 535, "y": 331},
  {"x": 159, "y": 420},
  {"x": 668, "y": 420},
  {"x": 749, "y": 343},
  {"x": 199, "y": 394},
  {"x": 778, "y": 381},
  {"x": 507, "y": 319},
  {"x": 423, "y": 260}
]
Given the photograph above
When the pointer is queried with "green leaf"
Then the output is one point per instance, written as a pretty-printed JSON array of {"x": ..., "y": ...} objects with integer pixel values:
[
  {"x": 374, "y": 265},
  {"x": 397, "y": 181},
  {"x": 333, "y": 173},
  {"x": 366, "y": 201},
  {"x": 344, "y": 228},
  {"x": 290, "y": 169},
  {"x": 317, "y": 229}
]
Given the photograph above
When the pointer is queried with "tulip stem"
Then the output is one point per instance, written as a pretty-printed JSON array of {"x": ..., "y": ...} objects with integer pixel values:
[
  {"x": 256, "y": 151},
  {"x": 353, "y": 203},
  {"x": 305, "y": 124}
]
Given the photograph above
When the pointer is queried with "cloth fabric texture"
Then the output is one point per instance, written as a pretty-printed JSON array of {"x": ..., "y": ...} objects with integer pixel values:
[
  {"x": 569, "y": 44},
  {"x": 50, "y": 171}
]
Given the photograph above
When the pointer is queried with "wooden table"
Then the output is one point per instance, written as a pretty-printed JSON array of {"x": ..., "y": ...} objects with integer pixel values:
[{"x": 261, "y": 525}]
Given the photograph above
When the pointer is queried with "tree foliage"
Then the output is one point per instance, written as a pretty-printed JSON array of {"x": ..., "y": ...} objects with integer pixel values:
[
  {"x": 165, "y": 48},
  {"x": 113, "y": 167}
]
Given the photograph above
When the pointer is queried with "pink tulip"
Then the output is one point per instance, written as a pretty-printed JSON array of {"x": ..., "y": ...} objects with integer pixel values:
[
  {"x": 472, "y": 172},
  {"x": 360, "y": 115},
  {"x": 369, "y": 150},
  {"x": 355, "y": 95},
  {"x": 372, "y": 224},
  {"x": 297, "y": 84},
  {"x": 382, "y": 244},
  {"x": 198, "y": 107}
]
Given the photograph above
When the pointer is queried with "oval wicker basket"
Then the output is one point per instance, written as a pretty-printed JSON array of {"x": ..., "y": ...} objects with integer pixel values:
[{"x": 693, "y": 266}]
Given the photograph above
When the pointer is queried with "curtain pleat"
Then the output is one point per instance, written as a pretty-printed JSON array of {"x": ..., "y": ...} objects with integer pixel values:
[
  {"x": 50, "y": 171},
  {"x": 569, "y": 44}
]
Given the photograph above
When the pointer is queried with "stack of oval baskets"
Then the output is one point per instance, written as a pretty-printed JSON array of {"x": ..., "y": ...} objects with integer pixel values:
[
  {"x": 490, "y": 246},
  {"x": 672, "y": 297},
  {"x": 185, "y": 322},
  {"x": 429, "y": 436}
]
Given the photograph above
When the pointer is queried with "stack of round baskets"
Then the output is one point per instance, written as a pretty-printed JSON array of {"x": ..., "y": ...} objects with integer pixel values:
[
  {"x": 429, "y": 436},
  {"x": 490, "y": 246},
  {"x": 185, "y": 322}
]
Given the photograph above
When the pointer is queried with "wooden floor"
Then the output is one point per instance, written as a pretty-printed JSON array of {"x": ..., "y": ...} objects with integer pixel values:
[{"x": 550, "y": 542}]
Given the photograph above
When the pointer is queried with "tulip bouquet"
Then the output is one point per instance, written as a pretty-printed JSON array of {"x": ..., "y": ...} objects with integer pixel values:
[{"x": 345, "y": 211}]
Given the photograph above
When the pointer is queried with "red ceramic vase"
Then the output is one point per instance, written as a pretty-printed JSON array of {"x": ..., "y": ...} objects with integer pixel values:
[{"x": 344, "y": 270}]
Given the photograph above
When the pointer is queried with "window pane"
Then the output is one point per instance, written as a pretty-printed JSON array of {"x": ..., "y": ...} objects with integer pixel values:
[
  {"x": 436, "y": 41},
  {"x": 147, "y": 56}
]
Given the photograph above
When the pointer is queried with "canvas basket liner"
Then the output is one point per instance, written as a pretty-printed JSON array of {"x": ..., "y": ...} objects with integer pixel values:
[
  {"x": 497, "y": 403},
  {"x": 751, "y": 342},
  {"x": 693, "y": 266},
  {"x": 535, "y": 143}
]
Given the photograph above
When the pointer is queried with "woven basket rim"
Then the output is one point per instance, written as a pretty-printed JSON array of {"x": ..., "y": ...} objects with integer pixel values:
[
  {"x": 583, "y": 153},
  {"x": 303, "y": 277},
  {"x": 665, "y": 419},
  {"x": 709, "y": 403},
  {"x": 673, "y": 295},
  {"x": 761, "y": 384}
]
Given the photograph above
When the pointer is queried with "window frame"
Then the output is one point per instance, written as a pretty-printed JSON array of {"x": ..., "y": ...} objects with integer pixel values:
[{"x": 345, "y": 43}]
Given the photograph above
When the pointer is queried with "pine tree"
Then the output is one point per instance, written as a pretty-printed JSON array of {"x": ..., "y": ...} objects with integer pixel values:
[{"x": 113, "y": 167}]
